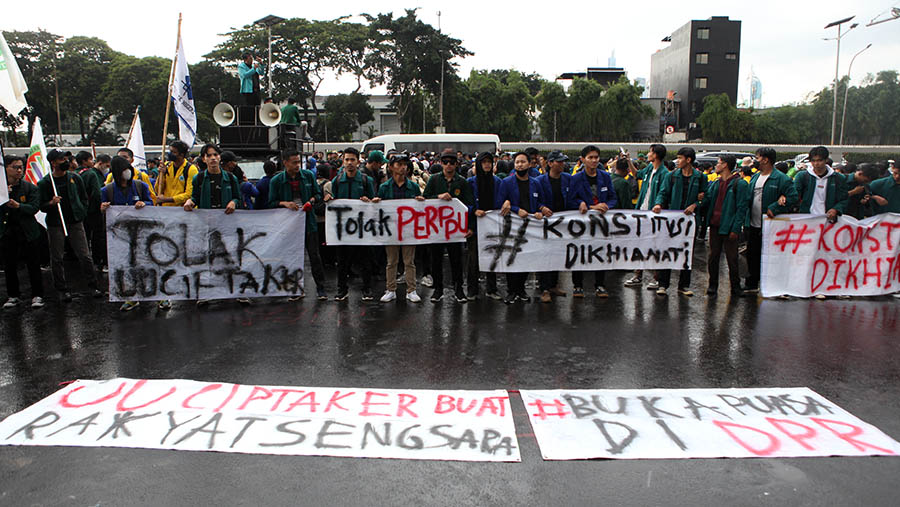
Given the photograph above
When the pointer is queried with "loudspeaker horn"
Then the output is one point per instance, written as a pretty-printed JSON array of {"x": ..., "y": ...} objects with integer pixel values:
[
  {"x": 269, "y": 115},
  {"x": 223, "y": 114}
]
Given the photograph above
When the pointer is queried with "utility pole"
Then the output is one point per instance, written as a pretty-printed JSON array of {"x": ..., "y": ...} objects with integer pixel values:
[
  {"x": 837, "y": 60},
  {"x": 847, "y": 92}
]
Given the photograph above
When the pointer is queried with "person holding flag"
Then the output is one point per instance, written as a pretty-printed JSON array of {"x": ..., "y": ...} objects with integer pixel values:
[{"x": 64, "y": 191}]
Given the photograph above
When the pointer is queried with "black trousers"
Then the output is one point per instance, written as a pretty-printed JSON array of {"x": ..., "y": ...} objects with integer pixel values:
[
  {"x": 472, "y": 268},
  {"x": 315, "y": 260},
  {"x": 348, "y": 256},
  {"x": 684, "y": 278},
  {"x": 548, "y": 279},
  {"x": 578, "y": 279},
  {"x": 754, "y": 256},
  {"x": 250, "y": 99},
  {"x": 95, "y": 230},
  {"x": 454, "y": 251},
  {"x": 515, "y": 283},
  {"x": 717, "y": 244},
  {"x": 13, "y": 246}
]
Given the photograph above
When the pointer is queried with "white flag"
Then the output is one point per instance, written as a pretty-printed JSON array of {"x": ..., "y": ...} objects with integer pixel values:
[
  {"x": 136, "y": 145},
  {"x": 36, "y": 165},
  {"x": 183, "y": 99},
  {"x": 12, "y": 84}
]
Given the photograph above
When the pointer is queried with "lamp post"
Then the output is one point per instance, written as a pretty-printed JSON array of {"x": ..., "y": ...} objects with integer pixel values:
[
  {"x": 441, "y": 128},
  {"x": 268, "y": 22},
  {"x": 837, "y": 60},
  {"x": 847, "y": 91}
]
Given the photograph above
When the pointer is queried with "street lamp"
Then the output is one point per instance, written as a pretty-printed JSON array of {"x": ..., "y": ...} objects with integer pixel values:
[
  {"x": 837, "y": 60},
  {"x": 847, "y": 90},
  {"x": 441, "y": 128},
  {"x": 268, "y": 22}
]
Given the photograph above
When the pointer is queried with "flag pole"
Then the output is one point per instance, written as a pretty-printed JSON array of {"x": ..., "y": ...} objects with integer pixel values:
[
  {"x": 131, "y": 130},
  {"x": 160, "y": 181}
]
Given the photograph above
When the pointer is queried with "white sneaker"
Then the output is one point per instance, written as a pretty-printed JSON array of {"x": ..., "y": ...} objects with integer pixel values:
[
  {"x": 37, "y": 302},
  {"x": 11, "y": 303},
  {"x": 653, "y": 285},
  {"x": 413, "y": 297},
  {"x": 897, "y": 295},
  {"x": 427, "y": 281},
  {"x": 389, "y": 296}
]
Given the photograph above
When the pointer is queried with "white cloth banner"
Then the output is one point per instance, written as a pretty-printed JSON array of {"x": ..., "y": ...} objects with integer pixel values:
[
  {"x": 395, "y": 222},
  {"x": 167, "y": 253},
  {"x": 302, "y": 421},
  {"x": 4, "y": 185},
  {"x": 183, "y": 98},
  {"x": 570, "y": 241},
  {"x": 804, "y": 255},
  {"x": 12, "y": 84},
  {"x": 697, "y": 423},
  {"x": 36, "y": 166},
  {"x": 136, "y": 145}
]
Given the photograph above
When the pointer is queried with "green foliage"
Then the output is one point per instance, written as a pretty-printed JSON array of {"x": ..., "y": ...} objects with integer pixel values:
[
  {"x": 133, "y": 82},
  {"x": 345, "y": 113}
]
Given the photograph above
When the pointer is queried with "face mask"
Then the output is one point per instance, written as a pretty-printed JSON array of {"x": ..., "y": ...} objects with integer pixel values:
[
  {"x": 522, "y": 172},
  {"x": 126, "y": 175},
  {"x": 170, "y": 157}
]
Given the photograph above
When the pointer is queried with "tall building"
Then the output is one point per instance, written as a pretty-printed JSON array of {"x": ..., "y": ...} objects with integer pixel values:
[{"x": 702, "y": 58}]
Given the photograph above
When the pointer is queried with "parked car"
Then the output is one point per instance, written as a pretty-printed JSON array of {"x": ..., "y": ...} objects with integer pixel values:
[{"x": 713, "y": 156}]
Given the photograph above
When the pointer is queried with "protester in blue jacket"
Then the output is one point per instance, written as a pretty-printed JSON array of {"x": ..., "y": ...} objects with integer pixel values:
[
  {"x": 559, "y": 194},
  {"x": 596, "y": 189},
  {"x": 486, "y": 190},
  {"x": 521, "y": 195}
]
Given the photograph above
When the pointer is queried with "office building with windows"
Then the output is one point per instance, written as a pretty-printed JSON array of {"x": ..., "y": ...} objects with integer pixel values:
[{"x": 702, "y": 58}]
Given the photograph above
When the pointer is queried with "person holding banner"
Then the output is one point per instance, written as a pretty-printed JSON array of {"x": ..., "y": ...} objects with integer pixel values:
[
  {"x": 139, "y": 175},
  {"x": 20, "y": 234},
  {"x": 650, "y": 180},
  {"x": 682, "y": 189},
  {"x": 66, "y": 192},
  {"x": 771, "y": 193},
  {"x": 725, "y": 210},
  {"x": 821, "y": 189},
  {"x": 351, "y": 183},
  {"x": 399, "y": 187},
  {"x": 447, "y": 186},
  {"x": 520, "y": 194},
  {"x": 124, "y": 191},
  {"x": 595, "y": 190},
  {"x": 886, "y": 191},
  {"x": 214, "y": 189},
  {"x": 485, "y": 197},
  {"x": 560, "y": 191},
  {"x": 296, "y": 189}
]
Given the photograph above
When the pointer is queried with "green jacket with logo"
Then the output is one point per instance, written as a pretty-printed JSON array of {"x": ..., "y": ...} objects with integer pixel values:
[
  {"x": 776, "y": 186},
  {"x": 280, "y": 190},
  {"x": 890, "y": 190},
  {"x": 27, "y": 195},
  {"x": 672, "y": 193},
  {"x": 457, "y": 187},
  {"x": 75, "y": 193},
  {"x": 360, "y": 185},
  {"x": 200, "y": 193},
  {"x": 734, "y": 207},
  {"x": 835, "y": 191},
  {"x": 386, "y": 189}
]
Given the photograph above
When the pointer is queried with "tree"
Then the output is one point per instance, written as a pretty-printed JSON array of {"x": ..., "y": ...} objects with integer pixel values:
[
  {"x": 139, "y": 81},
  {"x": 211, "y": 84},
  {"x": 345, "y": 113},
  {"x": 36, "y": 54},
  {"x": 415, "y": 54},
  {"x": 551, "y": 100},
  {"x": 81, "y": 69}
]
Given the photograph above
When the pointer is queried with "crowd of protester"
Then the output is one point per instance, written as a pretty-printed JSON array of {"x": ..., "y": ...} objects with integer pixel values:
[{"x": 729, "y": 200}]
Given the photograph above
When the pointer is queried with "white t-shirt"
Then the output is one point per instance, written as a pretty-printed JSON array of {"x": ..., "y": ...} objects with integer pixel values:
[
  {"x": 645, "y": 204},
  {"x": 817, "y": 206},
  {"x": 756, "y": 212}
]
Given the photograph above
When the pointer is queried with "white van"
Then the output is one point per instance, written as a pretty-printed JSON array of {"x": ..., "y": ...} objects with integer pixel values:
[{"x": 466, "y": 143}]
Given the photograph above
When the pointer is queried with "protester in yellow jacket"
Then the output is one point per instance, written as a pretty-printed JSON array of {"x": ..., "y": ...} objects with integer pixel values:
[
  {"x": 128, "y": 155},
  {"x": 175, "y": 183}
]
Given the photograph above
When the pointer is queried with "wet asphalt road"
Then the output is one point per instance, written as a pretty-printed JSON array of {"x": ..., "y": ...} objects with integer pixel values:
[{"x": 848, "y": 351}]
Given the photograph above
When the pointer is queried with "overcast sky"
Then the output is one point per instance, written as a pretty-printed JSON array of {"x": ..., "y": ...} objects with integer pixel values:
[{"x": 781, "y": 40}]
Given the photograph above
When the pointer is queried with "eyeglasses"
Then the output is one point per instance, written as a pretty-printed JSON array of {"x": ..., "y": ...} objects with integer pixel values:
[{"x": 450, "y": 161}]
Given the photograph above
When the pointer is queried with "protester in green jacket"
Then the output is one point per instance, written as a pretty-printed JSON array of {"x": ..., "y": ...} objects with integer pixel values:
[
  {"x": 94, "y": 229},
  {"x": 682, "y": 189},
  {"x": 725, "y": 208},
  {"x": 351, "y": 183},
  {"x": 448, "y": 185},
  {"x": 72, "y": 200},
  {"x": 214, "y": 188},
  {"x": 19, "y": 234},
  {"x": 399, "y": 186},
  {"x": 886, "y": 192},
  {"x": 649, "y": 180},
  {"x": 771, "y": 193},
  {"x": 296, "y": 189},
  {"x": 822, "y": 190}
]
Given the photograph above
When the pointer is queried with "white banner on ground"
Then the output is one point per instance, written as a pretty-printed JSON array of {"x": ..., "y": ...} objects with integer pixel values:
[
  {"x": 570, "y": 241},
  {"x": 804, "y": 255},
  {"x": 167, "y": 253},
  {"x": 697, "y": 423},
  {"x": 302, "y": 421},
  {"x": 395, "y": 222}
]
